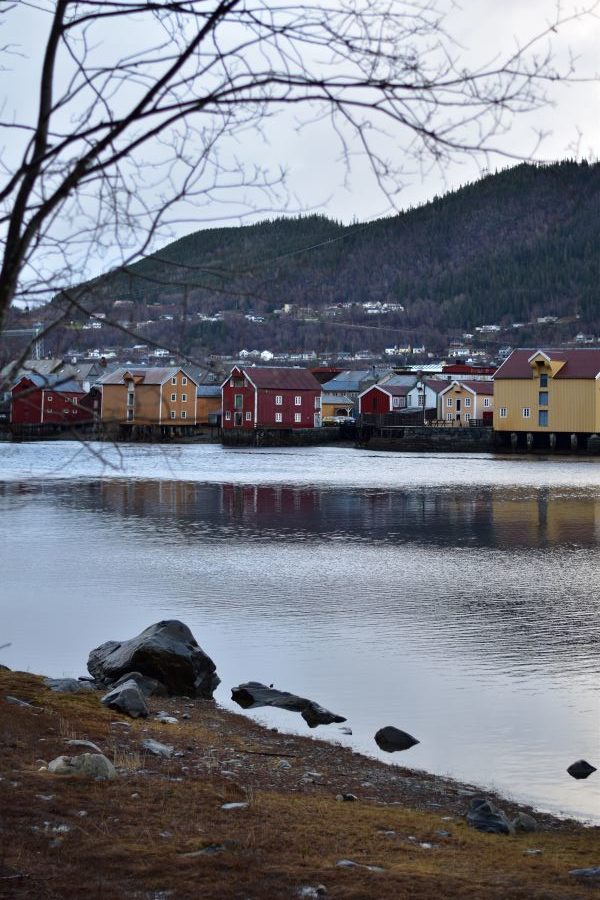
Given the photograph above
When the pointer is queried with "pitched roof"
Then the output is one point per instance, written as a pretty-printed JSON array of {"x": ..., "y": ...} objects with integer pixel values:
[
  {"x": 392, "y": 390},
  {"x": 336, "y": 398},
  {"x": 478, "y": 387},
  {"x": 60, "y": 383},
  {"x": 281, "y": 377},
  {"x": 435, "y": 384},
  {"x": 208, "y": 390},
  {"x": 150, "y": 375},
  {"x": 579, "y": 363}
]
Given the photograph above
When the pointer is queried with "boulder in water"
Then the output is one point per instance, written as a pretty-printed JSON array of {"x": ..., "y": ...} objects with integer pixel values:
[
  {"x": 581, "y": 769},
  {"x": 253, "y": 694},
  {"x": 393, "y": 739}
]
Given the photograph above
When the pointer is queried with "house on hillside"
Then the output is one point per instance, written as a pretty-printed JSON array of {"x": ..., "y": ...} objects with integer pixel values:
[
  {"x": 153, "y": 396},
  {"x": 462, "y": 402},
  {"x": 48, "y": 400},
  {"x": 549, "y": 392},
  {"x": 270, "y": 397}
]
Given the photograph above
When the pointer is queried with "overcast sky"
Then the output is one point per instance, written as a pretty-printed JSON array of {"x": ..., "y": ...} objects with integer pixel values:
[{"x": 484, "y": 31}]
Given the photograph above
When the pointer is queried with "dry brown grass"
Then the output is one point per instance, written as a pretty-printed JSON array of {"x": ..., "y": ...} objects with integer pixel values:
[{"x": 291, "y": 834}]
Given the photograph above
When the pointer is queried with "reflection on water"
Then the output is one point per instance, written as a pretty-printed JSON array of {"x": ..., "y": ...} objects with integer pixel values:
[{"x": 466, "y": 616}]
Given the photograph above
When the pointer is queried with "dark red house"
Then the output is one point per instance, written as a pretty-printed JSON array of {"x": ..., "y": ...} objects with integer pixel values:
[
  {"x": 48, "y": 400},
  {"x": 382, "y": 398},
  {"x": 270, "y": 397}
]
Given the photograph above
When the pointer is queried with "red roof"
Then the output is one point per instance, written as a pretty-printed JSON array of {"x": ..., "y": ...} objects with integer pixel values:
[
  {"x": 465, "y": 369},
  {"x": 436, "y": 385},
  {"x": 478, "y": 387},
  {"x": 579, "y": 363},
  {"x": 284, "y": 378}
]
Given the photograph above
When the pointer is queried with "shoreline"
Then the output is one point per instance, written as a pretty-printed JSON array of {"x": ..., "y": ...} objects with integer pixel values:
[{"x": 403, "y": 833}]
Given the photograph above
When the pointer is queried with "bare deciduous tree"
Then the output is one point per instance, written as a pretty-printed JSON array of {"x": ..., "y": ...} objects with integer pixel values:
[{"x": 145, "y": 105}]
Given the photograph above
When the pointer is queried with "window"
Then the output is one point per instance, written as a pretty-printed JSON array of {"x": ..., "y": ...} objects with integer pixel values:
[
  {"x": 449, "y": 401},
  {"x": 183, "y": 414},
  {"x": 297, "y": 417},
  {"x": 183, "y": 379},
  {"x": 317, "y": 403},
  {"x": 248, "y": 417},
  {"x": 486, "y": 401},
  {"x": 174, "y": 379},
  {"x": 130, "y": 415},
  {"x": 130, "y": 398},
  {"x": 278, "y": 417},
  {"x": 543, "y": 417},
  {"x": 238, "y": 401},
  {"x": 395, "y": 401},
  {"x": 297, "y": 401},
  {"x": 184, "y": 398},
  {"x": 50, "y": 398},
  {"x": 467, "y": 417},
  {"x": 467, "y": 402},
  {"x": 449, "y": 417},
  {"x": 526, "y": 412},
  {"x": 502, "y": 412},
  {"x": 173, "y": 413},
  {"x": 228, "y": 416},
  {"x": 409, "y": 400},
  {"x": 278, "y": 400},
  {"x": 543, "y": 381},
  {"x": 173, "y": 398},
  {"x": 543, "y": 398}
]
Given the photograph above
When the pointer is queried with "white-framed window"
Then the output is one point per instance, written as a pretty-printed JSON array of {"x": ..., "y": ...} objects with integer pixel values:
[
  {"x": 317, "y": 403},
  {"x": 184, "y": 398},
  {"x": 183, "y": 379},
  {"x": 297, "y": 400},
  {"x": 228, "y": 416},
  {"x": 467, "y": 417},
  {"x": 467, "y": 402},
  {"x": 173, "y": 398},
  {"x": 238, "y": 401},
  {"x": 174, "y": 379},
  {"x": 526, "y": 412},
  {"x": 130, "y": 398},
  {"x": 248, "y": 416},
  {"x": 130, "y": 415},
  {"x": 503, "y": 412},
  {"x": 278, "y": 417},
  {"x": 395, "y": 401},
  {"x": 449, "y": 417},
  {"x": 486, "y": 401},
  {"x": 297, "y": 417},
  {"x": 173, "y": 414},
  {"x": 448, "y": 401},
  {"x": 231, "y": 382},
  {"x": 278, "y": 400},
  {"x": 183, "y": 414},
  {"x": 50, "y": 398}
]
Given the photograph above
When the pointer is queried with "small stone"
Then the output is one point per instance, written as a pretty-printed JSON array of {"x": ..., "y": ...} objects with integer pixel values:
[
  {"x": 127, "y": 698},
  {"x": 346, "y": 798},
  {"x": 283, "y": 764},
  {"x": 46, "y": 797},
  {"x": 135, "y": 796},
  {"x": 524, "y": 822},
  {"x": 443, "y": 833},
  {"x": 68, "y": 685},
  {"x": 592, "y": 872},
  {"x": 485, "y": 816},
  {"x": 82, "y": 813},
  {"x": 581, "y": 769},
  {"x": 89, "y": 745},
  {"x": 533, "y": 851},
  {"x": 209, "y": 850},
  {"x": 234, "y": 806},
  {"x": 165, "y": 834},
  {"x": 186, "y": 716},
  {"x": 16, "y": 702},
  {"x": 157, "y": 749}
]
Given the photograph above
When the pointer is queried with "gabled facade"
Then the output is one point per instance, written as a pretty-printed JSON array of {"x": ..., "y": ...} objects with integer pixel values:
[
  {"x": 549, "y": 391},
  {"x": 380, "y": 399},
  {"x": 47, "y": 400},
  {"x": 152, "y": 396},
  {"x": 465, "y": 401},
  {"x": 270, "y": 397},
  {"x": 427, "y": 389}
]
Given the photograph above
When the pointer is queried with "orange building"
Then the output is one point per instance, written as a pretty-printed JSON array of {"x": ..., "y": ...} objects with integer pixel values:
[{"x": 152, "y": 396}]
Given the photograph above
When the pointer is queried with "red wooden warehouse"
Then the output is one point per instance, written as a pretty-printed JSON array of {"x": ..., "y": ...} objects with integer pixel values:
[
  {"x": 270, "y": 397},
  {"x": 47, "y": 400},
  {"x": 382, "y": 398}
]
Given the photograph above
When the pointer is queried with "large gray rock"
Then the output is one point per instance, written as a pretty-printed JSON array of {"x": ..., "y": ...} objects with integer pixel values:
[
  {"x": 149, "y": 687},
  {"x": 86, "y": 765},
  {"x": 167, "y": 652},
  {"x": 127, "y": 698},
  {"x": 485, "y": 816},
  {"x": 253, "y": 694},
  {"x": 581, "y": 769},
  {"x": 393, "y": 739}
]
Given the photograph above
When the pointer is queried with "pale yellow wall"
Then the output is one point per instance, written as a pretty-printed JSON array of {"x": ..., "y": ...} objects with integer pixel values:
[
  {"x": 573, "y": 405},
  {"x": 475, "y": 411},
  {"x": 329, "y": 409}
]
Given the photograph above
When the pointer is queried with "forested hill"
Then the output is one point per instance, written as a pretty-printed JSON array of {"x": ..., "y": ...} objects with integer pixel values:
[{"x": 510, "y": 247}]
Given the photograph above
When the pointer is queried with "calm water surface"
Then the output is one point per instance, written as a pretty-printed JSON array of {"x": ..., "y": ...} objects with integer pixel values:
[{"x": 454, "y": 597}]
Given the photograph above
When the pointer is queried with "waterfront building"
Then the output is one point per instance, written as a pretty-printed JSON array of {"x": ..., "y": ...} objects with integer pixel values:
[
  {"x": 463, "y": 402},
  {"x": 270, "y": 397},
  {"x": 152, "y": 396}
]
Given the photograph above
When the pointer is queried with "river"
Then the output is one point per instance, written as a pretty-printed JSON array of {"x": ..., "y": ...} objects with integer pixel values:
[{"x": 456, "y": 597}]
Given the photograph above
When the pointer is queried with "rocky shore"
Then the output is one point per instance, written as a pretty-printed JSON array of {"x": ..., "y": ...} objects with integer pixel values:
[{"x": 195, "y": 801}]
